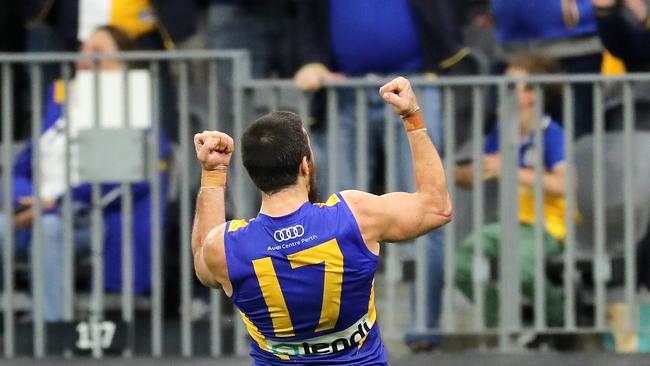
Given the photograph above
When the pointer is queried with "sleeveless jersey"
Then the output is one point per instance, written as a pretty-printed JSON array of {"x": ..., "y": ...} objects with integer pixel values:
[{"x": 304, "y": 285}]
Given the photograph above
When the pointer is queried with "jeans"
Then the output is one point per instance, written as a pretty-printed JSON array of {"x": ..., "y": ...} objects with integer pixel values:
[
  {"x": 583, "y": 93},
  {"x": 53, "y": 275},
  {"x": 266, "y": 36},
  {"x": 429, "y": 100},
  {"x": 435, "y": 280},
  {"x": 230, "y": 26}
]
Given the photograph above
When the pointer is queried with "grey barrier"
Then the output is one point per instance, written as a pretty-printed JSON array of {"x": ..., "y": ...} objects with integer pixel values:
[{"x": 251, "y": 98}]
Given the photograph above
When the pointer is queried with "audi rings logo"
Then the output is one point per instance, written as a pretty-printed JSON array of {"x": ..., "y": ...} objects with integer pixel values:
[{"x": 289, "y": 233}]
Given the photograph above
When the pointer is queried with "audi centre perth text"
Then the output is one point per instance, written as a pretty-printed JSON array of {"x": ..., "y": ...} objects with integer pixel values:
[{"x": 292, "y": 244}]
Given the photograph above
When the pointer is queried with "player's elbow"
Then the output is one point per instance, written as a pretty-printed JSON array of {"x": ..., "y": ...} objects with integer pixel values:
[
  {"x": 440, "y": 214},
  {"x": 447, "y": 213},
  {"x": 446, "y": 216},
  {"x": 203, "y": 279},
  {"x": 443, "y": 218}
]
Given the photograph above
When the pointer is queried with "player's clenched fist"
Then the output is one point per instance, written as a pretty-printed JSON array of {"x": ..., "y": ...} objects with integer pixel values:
[
  {"x": 399, "y": 94},
  {"x": 213, "y": 149}
]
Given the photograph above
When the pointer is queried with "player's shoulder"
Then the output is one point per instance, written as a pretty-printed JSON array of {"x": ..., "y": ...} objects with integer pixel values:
[
  {"x": 360, "y": 203},
  {"x": 355, "y": 202},
  {"x": 215, "y": 235}
]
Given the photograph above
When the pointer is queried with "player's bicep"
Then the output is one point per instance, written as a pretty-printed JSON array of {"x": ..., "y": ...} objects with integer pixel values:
[
  {"x": 407, "y": 215},
  {"x": 394, "y": 216}
]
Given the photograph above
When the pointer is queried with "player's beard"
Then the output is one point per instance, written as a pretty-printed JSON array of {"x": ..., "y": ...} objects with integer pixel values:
[{"x": 313, "y": 185}]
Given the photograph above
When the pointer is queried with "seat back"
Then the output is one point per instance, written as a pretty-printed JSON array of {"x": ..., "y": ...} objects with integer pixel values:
[{"x": 614, "y": 196}]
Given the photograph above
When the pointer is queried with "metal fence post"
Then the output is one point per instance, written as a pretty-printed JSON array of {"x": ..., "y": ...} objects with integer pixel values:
[
  {"x": 539, "y": 250},
  {"x": 215, "y": 295},
  {"x": 187, "y": 277},
  {"x": 480, "y": 266},
  {"x": 97, "y": 234},
  {"x": 8, "y": 210},
  {"x": 629, "y": 214},
  {"x": 570, "y": 212},
  {"x": 38, "y": 287},
  {"x": 601, "y": 261},
  {"x": 450, "y": 237},
  {"x": 68, "y": 229},
  {"x": 157, "y": 271},
  {"x": 509, "y": 278},
  {"x": 242, "y": 73}
]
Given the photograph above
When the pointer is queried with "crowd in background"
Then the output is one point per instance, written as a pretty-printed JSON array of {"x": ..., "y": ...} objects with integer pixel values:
[{"x": 315, "y": 41}]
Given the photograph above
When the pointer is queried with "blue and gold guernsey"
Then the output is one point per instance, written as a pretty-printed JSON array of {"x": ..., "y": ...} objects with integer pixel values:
[{"x": 304, "y": 284}]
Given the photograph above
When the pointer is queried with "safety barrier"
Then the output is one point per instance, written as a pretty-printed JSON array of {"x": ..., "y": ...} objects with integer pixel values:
[{"x": 610, "y": 196}]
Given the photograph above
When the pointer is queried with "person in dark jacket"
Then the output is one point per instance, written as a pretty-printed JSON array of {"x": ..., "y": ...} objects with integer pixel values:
[
  {"x": 12, "y": 39},
  {"x": 342, "y": 38},
  {"x": 624, "y": 29}
]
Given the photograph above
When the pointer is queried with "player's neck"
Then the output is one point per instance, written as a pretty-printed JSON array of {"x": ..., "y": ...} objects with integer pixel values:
[{"x": 285, "y": 201}]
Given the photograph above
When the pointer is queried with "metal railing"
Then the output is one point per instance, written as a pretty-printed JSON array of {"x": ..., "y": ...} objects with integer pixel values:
[{"x": 252, "y": 98}]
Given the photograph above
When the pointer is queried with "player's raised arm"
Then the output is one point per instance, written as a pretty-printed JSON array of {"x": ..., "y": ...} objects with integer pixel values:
[
  {"x": 213, "y": 150},
  {"x": 399, "y": 215}
]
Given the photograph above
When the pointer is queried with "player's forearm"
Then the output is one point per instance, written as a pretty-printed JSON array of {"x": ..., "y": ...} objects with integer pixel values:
[
  {"x": 430, "y": 178},
  {"x": 210, "y": 207}
]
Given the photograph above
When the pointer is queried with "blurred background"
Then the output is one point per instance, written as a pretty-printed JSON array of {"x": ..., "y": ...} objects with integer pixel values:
[{"x": 540, "y": 109}]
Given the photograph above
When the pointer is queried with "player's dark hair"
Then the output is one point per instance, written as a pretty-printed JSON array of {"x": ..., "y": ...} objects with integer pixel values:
[{"x": 273, "y": 148}]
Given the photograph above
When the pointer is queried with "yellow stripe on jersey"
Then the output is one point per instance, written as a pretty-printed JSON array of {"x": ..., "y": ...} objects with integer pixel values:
[
  {"x": 135, "y": 17},
  {"x": 236, "y": 225},
  {"x": 273, "y": 297},
  {"x": 257, "y": 336},
  {"x": 333, "y": 200},
  {"x": 372, "y": 312},
  {"x": 330, "y": 253}
]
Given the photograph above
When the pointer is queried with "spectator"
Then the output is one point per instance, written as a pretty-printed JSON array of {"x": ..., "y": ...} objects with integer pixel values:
[
  {"x": 553, "y": 187},
  {"x": 12, "y": 36},
  {"x": 106, "y": 39},
  {"x": 339, "y": 38},
  {"x": 623, "y": 29},
  {"x": 154, "y": 25},
  {"x": 264, "y": 28},
  {"x": 562, "y": 29}
]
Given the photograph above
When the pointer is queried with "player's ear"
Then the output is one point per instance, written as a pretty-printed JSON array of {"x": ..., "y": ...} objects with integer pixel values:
[{"x": 304, "y": 166}]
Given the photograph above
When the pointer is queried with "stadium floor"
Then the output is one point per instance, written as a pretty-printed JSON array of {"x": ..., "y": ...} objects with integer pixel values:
[{"x": 466, "y": 359}]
